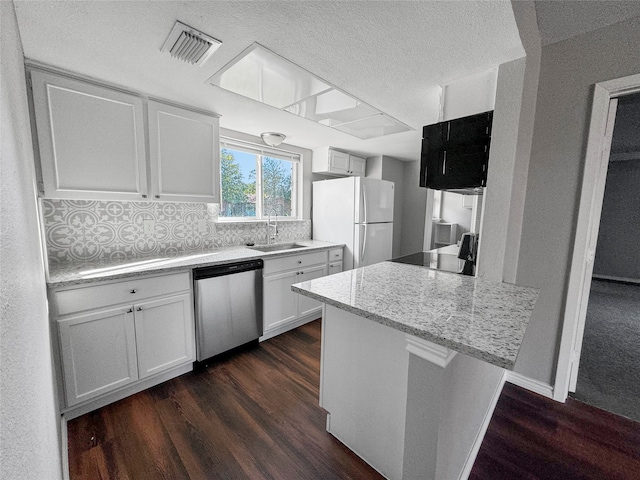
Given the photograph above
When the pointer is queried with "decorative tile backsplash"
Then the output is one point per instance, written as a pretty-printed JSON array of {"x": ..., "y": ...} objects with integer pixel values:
[{"x": 81, "y": 230}]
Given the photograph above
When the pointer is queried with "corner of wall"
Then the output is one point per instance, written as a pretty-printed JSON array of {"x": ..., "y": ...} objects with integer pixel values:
[{"x": 30, "y": 435}]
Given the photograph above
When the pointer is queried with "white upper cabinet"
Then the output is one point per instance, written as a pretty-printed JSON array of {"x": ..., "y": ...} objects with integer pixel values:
[
  {"x": 93, "y": 144},
  {"x": 357, "y": 166},
  {"x": 91, "y": 138},
  {"x": 338, "y": 162},
  {"x": 184, "y": 154},
  {"x": 333, "y": 162}
]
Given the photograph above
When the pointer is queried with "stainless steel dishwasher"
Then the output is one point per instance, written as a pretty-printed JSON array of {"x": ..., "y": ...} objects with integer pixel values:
[{"x": 228, "y": 304}]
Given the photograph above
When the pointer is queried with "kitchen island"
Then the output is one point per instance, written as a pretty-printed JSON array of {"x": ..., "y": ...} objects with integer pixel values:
[{"x": 413, "y": 362}]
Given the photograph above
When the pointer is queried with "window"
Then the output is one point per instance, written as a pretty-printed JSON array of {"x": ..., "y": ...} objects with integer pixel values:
[{"x": 256, "y": 183}]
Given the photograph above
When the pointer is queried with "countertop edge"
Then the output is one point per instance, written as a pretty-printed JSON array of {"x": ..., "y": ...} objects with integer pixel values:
[
  {"x": 476, "y": 353},
  {"x": 184, "y": 263}
]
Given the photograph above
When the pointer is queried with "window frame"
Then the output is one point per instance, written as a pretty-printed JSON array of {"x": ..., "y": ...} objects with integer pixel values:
[{"x": 263, "y": 151}]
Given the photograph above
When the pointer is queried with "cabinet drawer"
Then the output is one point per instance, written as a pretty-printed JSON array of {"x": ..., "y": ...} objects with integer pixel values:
[
  {"x": 294, "y": 261},
  {"x": 335, "y": 254},
  {"x": 130, "y": 291}
]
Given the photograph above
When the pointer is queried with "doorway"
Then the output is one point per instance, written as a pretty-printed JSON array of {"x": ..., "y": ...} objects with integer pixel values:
[
  {"x": 607, "y": 95},
  {"x": 610, "y": 352}
]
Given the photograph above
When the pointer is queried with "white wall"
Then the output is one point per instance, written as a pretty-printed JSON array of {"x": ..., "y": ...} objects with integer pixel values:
[
  {"x": 469, "y": 95},
  {"x": 391, "y": 169},
  {"x": 414, "y": 209},
  {"x": 29, "y": 433},
  {"x": 500, "y": 176},
  {"x": 568, "y": 71}
]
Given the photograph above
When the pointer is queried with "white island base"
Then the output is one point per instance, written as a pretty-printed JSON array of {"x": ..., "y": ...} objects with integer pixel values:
[{"x": 410, "y": 408}]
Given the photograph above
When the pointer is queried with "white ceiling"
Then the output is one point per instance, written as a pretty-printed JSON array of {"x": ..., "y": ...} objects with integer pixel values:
[
  {"x": 393, "y": 55},
  {"x": 560, "y": 20}
]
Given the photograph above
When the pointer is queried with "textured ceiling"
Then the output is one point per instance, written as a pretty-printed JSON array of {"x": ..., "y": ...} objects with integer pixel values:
[
  {"x": 560, "y": 20},
  {"x": 394, "y": 55}
]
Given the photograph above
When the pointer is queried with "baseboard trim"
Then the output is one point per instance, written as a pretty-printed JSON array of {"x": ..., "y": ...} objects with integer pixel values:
[
  {"x": 471, "y": 458},
  {"x": 535, "y": 386},
  {"x": 64, "y": 435},
  {"x": 99, "y": 402},
  {"x": 610, "y": 278},
  {"x": 290, "y": 326}
]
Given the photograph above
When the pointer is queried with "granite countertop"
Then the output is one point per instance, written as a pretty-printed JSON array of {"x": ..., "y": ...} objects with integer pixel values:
[
  {"x": 482, "y": 319},
  {"x": 88, "y": 272}
]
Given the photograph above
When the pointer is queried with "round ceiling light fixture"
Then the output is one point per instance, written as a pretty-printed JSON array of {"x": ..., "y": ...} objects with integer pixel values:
[{"x": 273, "y": 139}]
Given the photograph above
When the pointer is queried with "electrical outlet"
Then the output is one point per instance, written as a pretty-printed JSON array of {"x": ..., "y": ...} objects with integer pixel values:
[
  {"x": 202, "y": 225},
  {"x": 149, "y": 226}
]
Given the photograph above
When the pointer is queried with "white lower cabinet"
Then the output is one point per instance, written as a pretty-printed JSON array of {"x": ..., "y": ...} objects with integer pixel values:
[
  {"x": 284, "y": 309},
  {"x": 335, "y": 267},
  {"x": 306, "y": 305},
  {"x": 280, "y": 302},
  {"x": 335, "y": 261},
  {"x": 163, "y": 337},
  {"x": 141, "y": 329},
  {"x": 98, "y": 353}
]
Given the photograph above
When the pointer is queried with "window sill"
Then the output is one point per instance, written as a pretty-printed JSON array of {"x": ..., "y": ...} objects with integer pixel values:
[{"x": 257, "y": 220}]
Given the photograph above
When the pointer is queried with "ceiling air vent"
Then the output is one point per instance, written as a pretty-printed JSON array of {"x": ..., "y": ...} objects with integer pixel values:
[{"x": 190, "y": 45}]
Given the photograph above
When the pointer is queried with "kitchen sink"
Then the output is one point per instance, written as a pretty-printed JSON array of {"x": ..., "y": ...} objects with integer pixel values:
[{"x": 277, "y": 247}]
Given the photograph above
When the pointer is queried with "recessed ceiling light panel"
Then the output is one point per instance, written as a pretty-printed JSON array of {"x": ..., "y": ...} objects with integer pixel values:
[{"x": 266, "y": 77}]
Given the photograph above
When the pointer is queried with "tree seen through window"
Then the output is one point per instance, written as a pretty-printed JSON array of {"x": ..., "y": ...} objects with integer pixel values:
[{"x": 245, "y": 193}]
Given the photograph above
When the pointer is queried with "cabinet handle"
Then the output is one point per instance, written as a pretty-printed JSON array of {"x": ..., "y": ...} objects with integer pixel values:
[
  {"x": 157, "y": 196},
  {"x": 144, "y": 196},
  {"x": 301, "y": 273},
  {"x": 133, "y": 291},
  {"x": 299, "y": 261},
  {"x": 130, "y": 310},
  {"x": 139, "y": 309}
]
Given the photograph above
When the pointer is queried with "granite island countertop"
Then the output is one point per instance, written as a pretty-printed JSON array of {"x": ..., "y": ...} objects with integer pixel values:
[
  {"x": 62, "y": 275},
  {"x": 479, "y": 318}
]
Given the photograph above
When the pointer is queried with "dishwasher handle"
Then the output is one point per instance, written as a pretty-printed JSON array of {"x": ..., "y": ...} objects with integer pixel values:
[{"x": 227, "y": 269}]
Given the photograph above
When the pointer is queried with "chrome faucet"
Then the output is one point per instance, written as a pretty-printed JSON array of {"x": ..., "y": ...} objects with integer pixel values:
[{"x": 275, "y": 229}]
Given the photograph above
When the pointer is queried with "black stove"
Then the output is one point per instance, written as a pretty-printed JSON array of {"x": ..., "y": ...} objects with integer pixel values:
[{"x": 436, "y": 261}]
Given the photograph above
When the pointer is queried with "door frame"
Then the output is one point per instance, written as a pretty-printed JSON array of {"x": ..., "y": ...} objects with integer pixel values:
[{"x": 586, "y": 234}]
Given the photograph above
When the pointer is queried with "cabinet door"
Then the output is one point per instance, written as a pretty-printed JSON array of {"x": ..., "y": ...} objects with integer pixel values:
[
  {"x": 338, "y": 162},
  {"x": 98, "y": 353},
  {"x": 185, "y": 154},
  {"x": 280, "y": 303},
  {"x": 91, "y": 139},
  {"x": 335, "y": 267},
  {"x": 306, "y": 305},
  {"x": 164, "y": 333},
  {"x": 357, "y": 166}
]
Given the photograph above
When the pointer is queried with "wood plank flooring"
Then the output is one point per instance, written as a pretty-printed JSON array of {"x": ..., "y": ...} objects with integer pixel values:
[
  {"x": 532, "y": 437},
  {"x": 255, "y": 415}
]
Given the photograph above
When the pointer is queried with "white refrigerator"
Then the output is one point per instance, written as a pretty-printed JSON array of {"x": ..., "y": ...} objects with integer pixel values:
[{"x": 358, "y": 212}]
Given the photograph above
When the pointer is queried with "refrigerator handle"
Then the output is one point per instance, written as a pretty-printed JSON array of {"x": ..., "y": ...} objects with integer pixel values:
[
  {"x": 364, "y": 244},
  {"x": 364, "y": 203}
]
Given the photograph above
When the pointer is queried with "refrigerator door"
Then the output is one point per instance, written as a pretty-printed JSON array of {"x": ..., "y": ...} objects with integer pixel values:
[
  {"x": 372, "y": 243},
  {"x": 375, "y": 200}
]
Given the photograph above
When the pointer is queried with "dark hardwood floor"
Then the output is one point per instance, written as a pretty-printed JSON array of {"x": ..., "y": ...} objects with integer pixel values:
[
  {"x": 532, "y": 437},
  {"x": 255, "y": 415}
]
